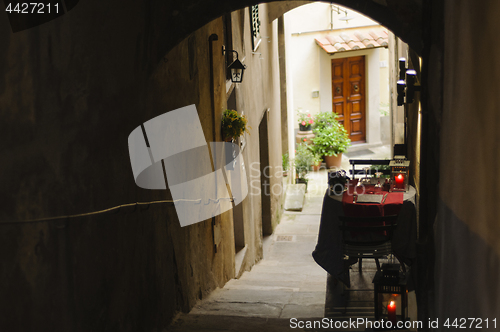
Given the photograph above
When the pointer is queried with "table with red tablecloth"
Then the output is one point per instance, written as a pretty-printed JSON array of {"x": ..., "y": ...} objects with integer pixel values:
[{"x": 328, "y": 252}]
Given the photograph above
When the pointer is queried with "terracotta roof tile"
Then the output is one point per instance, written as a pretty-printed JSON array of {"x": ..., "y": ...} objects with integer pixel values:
[
  {"x": 330, "y": 49},
  {"x": 337, "y": 41}
]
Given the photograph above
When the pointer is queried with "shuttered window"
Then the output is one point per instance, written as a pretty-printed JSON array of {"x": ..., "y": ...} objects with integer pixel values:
[{"x": 255, "y": 22}]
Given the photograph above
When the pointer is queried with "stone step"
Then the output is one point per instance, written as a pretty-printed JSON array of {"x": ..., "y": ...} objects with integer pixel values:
[{"x": 294, "y": 200}]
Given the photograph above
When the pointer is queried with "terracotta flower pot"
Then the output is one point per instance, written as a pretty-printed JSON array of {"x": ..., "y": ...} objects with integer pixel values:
[
  {"x": 315, "y": 167},
  {"x": 333, "y": 161}
]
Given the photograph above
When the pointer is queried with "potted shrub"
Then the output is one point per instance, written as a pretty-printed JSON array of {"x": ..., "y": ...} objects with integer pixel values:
[
  {"x": 325, "y": 119},
  {"x": 285, "y": 162},
  {"x": 302, "y": 162},
  {"x": 316, "y": 162},
  {"x": 316, "y": 158},
  {"x": 331, "y": 140},
  {"x": 305, "y": 120},
  {"x": 233, "y": 125}
]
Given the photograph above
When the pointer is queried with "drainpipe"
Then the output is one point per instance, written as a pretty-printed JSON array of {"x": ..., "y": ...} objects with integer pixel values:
[
  {"x": 331, "y": 16},
  {"x": 213, "y": 37}
]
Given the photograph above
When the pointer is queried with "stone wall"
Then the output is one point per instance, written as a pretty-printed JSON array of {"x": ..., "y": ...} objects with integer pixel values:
[
  {"x": 72, "y": 91},
  {"x": 467, "y": 246}
]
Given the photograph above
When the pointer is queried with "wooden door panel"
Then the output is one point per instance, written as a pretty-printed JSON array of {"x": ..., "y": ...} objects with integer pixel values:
[
  {"x": 338, "y": 71},
  {"x": 338, "y": 95},
  {"x": 355, "y": 110},
  {"x": 355, "y": 69},
  {"x": 357, "y": 127},
  {"x": 339, "y": 109},
  {"x": 348, "y": 95}
]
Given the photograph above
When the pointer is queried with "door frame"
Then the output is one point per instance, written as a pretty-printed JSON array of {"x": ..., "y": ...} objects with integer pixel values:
[
  {"x": 372, "y": 90},
  {"x": 346, "y": 87}
]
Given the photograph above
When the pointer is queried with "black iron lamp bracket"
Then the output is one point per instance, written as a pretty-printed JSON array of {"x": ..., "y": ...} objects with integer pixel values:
[{"x": 407, "y": 84}]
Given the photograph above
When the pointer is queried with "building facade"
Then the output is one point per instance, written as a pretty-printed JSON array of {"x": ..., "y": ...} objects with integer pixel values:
[{"x": 321, "y": 73}]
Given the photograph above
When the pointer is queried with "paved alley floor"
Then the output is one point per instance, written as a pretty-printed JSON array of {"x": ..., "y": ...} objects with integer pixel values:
[{"x": 285, "y": 284}]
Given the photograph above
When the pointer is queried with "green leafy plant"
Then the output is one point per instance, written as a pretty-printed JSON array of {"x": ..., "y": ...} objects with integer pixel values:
[
  {"x": 331, "y": 140},
  {"x": 285, "y": 162},
  {"x": 303, "y": 159},
  {"x": 323, "y": 120},
  {"x": 316, "y": 159},
  {"x": 233, "y": 124}
]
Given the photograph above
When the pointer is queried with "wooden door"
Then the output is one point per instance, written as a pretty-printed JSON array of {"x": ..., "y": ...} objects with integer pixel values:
[{"x": 348, "y": 95}]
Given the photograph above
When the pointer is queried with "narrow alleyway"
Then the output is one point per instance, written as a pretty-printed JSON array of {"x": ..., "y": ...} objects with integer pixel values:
[{"x": 286, "y": 284}]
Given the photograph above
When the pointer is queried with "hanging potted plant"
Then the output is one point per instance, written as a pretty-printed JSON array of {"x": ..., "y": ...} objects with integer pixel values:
[
  {"x": 305, "y": 120},
  {"x": 233, "y": 125},
  {"x": 331, "y": 140}
]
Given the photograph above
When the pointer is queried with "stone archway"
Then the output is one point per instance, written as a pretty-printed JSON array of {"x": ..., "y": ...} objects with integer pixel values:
[{"x": 178, "y": 20}]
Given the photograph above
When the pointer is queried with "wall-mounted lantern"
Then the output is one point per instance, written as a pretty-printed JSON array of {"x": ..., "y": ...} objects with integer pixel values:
[
  {"x": 406, "y": 85},
  {"x": 236, "y": 67},
  {"x": 411, "y": 77},
  {"x": 401, "y": 92}
]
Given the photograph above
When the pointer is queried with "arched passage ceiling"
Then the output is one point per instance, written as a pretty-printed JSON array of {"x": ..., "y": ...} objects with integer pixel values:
[{"x": 402, "y": 17}]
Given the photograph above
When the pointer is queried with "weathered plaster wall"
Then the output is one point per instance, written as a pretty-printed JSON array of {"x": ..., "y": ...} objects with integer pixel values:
[
  {"x": 468, "y": 250},
  {"x": 72, "y": 93},
  {"x": 258, "y": 93}
]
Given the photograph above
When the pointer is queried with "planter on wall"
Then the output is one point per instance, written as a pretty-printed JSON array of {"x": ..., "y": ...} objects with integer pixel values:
[
  {"x": 333, "y": 161},
  {"x": 304, "y": 136},
  {"x": 301, "y": 180},
  {"x": 305, "y": 128}
]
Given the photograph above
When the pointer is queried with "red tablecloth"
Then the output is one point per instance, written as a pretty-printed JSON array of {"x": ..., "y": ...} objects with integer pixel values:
[
  {"x": 391, "y": 206},
  {"x": 329, "y": 250}
]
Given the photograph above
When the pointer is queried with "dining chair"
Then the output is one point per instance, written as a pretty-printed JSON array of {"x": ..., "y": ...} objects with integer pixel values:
[
  {"x": 355, "y": 162},
  {"x": 368, "y": 237}
]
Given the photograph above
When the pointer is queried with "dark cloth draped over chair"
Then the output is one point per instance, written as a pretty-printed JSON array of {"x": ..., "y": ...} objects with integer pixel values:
[{"x": 329, "y": 251}]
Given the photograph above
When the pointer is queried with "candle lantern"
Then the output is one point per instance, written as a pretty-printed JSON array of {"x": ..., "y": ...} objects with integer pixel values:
[
  {"x": 391, "y": 294},
  {"x": 400, "y": 174}
]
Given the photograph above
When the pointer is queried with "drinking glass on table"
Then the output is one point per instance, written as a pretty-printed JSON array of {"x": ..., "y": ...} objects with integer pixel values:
[
  {"x": 377, "y": 175},
  {"x": 366, "y": 180}
]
